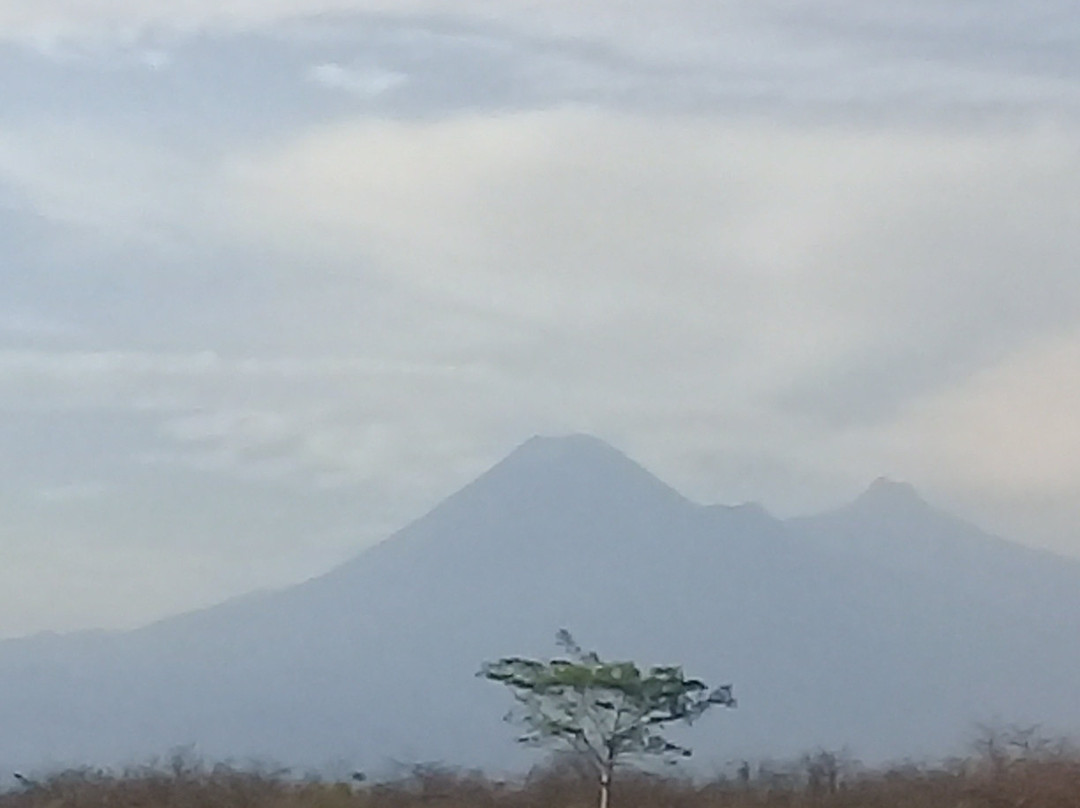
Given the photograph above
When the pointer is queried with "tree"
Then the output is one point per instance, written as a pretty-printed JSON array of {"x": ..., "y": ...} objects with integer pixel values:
[{"x": 607, "y": 711}]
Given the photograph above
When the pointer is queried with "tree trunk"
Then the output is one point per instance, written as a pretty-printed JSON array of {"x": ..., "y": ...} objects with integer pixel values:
[{"x": 605, "y": 787}]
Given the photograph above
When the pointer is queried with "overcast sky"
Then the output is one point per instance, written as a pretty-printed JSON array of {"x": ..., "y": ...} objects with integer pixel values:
[{"x": 278, "y": 275}]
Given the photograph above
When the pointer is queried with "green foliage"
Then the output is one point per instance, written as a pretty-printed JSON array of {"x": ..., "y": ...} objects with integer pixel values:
[{"x": 606, "y": 710}]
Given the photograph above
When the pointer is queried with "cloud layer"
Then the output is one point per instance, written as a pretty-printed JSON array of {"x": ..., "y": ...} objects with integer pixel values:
[{"x": 313, "y": 266}]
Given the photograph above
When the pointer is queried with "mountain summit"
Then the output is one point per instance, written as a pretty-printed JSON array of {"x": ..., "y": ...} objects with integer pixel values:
[
  {"x": 572, "y": 468},
  {"x": 830, "y": 628},
  {"x": 573, "y": 448}
]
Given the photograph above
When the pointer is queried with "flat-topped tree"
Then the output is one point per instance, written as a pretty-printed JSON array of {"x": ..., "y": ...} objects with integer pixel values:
[{"x": 607, "y": 711}]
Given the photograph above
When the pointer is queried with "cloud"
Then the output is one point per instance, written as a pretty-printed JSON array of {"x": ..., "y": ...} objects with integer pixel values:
[
  {"x": 678, "y": 53},
  {"x": 26, "y": 323},
  {"x": 364, "y": 83},
  {"x": 302, "y": 421},
  {"x": 1010, "y": 428},
  {"x": 73, "y": 492},
  {"x": 129, "y": 15},
  {"x": 539, "y": 215},
  {"x": 779, "y": 292},
  {"x": 772, "y": 249},
  {"x": 422, "y": 59},
  {"x": 797, "y": 283},
  {"x": 100, "y": 178}
]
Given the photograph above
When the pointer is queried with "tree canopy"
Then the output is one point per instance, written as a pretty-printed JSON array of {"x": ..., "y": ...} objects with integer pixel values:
[{"x": 608, "y": 711}]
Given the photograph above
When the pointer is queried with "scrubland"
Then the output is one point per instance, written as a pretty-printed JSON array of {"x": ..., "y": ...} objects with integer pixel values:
[{"x": 1003, "y": 773}]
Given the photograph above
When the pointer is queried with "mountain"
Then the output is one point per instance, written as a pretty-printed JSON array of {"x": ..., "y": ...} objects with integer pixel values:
[
  {"x": 890, "y": 526},
  {"x": 885, "y": 626}
]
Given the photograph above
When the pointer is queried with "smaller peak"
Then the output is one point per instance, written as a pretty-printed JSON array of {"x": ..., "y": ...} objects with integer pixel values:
[
  {"x": 751, "y": 513},
  {"x": 747, "y": 509},
  {"x": 884, "y": 492},
  {"x": 885, "y": 483},
  {"x": 890, "y": 486},
  {"x": 752, "y": 509}
]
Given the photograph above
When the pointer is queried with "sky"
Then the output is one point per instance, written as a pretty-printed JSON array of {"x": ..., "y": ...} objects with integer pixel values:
[{"x": 279, "y": 275}]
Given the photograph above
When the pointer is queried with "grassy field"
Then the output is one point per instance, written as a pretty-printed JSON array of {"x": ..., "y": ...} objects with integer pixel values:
[{"x": 1001, "y": 775}]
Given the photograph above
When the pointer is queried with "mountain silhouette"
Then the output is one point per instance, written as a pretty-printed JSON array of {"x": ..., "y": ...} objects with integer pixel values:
[{"x": 886, "y": 626}]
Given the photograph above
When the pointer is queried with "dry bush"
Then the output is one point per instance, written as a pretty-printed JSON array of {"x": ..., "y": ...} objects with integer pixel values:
[{"x": 1001, "y": 776}]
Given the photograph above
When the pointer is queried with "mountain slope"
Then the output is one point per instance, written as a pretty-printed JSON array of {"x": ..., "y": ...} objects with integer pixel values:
[
  {"x": 833, "y": 630},
  {"x": 891, "y": 526}
]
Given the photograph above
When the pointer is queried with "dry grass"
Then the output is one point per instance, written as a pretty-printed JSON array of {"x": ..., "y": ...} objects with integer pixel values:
[{"x": 997, "y": 778}]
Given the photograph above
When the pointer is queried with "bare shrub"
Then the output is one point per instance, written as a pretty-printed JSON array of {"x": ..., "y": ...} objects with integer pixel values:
[{"x": 1021, "y": 772}]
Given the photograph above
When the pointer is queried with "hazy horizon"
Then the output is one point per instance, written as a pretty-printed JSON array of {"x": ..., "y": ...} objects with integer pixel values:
[
  {"x": 281, "y": 275},
  {"x": 829, "y": 628},
  {"x": 884, "y": 492}
]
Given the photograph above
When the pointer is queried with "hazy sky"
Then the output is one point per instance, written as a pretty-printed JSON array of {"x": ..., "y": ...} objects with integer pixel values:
[{"x": 278, "y": 275}]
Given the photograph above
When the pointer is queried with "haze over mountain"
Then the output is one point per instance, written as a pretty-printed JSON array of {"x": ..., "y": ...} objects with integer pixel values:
[{"x": 886, "y": 626}]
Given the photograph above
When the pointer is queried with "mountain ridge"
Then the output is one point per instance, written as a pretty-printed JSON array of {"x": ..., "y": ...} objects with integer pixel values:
[{"x": 811, "y": 619}]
